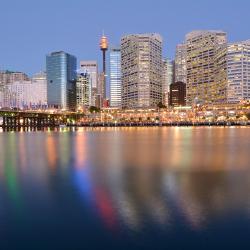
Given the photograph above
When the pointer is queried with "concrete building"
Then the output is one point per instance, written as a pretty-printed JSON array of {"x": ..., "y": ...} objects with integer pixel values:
[
  {"x": 233, "y": 72},
  {"x": 101, "y": 90},
  {"x": 91, "y": 68},
  {"x": 177, "y": 94},
  {"x": 115, "y": 77},
  {"x": 168, "y": 79},
  {"x": 201, "y": 48},
  {"x": 25, "y": 94},
  {"x": 83, "y": 90},
  {"x": 180, "y": 68},
  {"x": 141, "y": 66},
  {"x": 8, "y": 77},
  {"x": 61, "y": 78}
]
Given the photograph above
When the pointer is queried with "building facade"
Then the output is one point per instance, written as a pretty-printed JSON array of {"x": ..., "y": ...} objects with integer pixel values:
[
  {"x": 61, "y": 78},
  {"x": 9, "y": 77},
  {"x": 25, "y": 93},
  {"x": 233, "y": 71},
  {"x": 141, "y": 67},
  {"x": 115, "y": 78},
  {"x": 201, "y": 49},
  {"x": 83, "y": 90},
  {"x": 168, "y": 79},
  {"x": 91, "y": 68},
  {"x": 180, "y": 74},
  {"x": 177, "y": 94}
]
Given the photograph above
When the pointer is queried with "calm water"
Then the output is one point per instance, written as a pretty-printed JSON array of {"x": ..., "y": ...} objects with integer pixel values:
[{"x": 131, "y": 188}]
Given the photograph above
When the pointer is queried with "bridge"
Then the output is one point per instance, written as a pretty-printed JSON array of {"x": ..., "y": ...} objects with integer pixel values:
[{"x": 42, "y": 118}]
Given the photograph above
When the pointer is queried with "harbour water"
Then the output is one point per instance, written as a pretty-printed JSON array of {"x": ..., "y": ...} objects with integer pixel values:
[{"x": 125, "y": 188}]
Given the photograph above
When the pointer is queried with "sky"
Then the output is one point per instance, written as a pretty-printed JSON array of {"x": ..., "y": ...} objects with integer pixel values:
[{"x": 30, "y": 29}]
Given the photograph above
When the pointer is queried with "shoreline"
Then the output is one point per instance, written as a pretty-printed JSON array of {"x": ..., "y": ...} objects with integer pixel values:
[{"x": 124, "y": 125}]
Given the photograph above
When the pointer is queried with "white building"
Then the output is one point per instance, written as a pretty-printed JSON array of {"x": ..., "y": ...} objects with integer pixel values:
[
  {"x": 23, "y": 94},
  {"x": 82, "y": 90},
  {"x": 180, "y": 63},
  {"x": 233, "y": 71},
  {"x": 168, "y": 79},
  {"x": 201, "y": 49},
  {"x": 141, "y": 64},
  {"x": 91, "y": 68},
  {"x": 115, "y": 78}
]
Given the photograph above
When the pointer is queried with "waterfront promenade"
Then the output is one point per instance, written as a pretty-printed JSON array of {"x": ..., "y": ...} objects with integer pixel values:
[{"x": 216, "y": 115}]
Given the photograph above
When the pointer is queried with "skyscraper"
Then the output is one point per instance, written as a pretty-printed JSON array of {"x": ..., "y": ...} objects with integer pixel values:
[
  {"x": 233, "y": 72},
  {"x": 82, "y": 90},
  {"x": 61, "y": 77},
  {"x": 180, "y": 64},
  {"x": 141, "y": 64},
  {"x": 168, "y": 79},
  {"x": 91, "y": 68},
  {"x": 115, "y": 77},
  {"x": 201, "y": 69}
]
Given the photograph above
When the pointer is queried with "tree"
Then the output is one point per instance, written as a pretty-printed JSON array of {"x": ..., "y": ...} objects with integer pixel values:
[
  {"x": 94, "y": 109},
  {"x": 161, "y": 106}
]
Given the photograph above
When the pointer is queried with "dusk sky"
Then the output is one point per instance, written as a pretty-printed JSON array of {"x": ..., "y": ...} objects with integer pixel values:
[{"x": 30, "y": 28}]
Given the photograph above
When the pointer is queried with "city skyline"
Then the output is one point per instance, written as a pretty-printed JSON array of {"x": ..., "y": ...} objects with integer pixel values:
[{"x": 52, "y": 33}]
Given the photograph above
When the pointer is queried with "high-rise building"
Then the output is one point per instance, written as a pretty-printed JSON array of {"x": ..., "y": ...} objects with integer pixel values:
[
  {"x": 177, "y": 94},
  {"x": 201, "y": 48},
  {"x": 91, "y": 68},
  {"x": 61, "y": 78},
  {"x": 101, "y": 89},
  {"x": 180, "y": 74},
  {"x": 168, "y": 79},
  {"x": 115, "y": 77},
  {"x": 233, "y": 72},
  {"x": 82, "y": 90},
  {"x": 141, "y": 64}
]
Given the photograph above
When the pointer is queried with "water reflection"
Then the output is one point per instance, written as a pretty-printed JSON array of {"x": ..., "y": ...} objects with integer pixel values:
[{"x": 129, "y": 179}]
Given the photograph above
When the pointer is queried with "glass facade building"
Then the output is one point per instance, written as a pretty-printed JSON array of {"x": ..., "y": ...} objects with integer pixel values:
[
  {"x": 115, "y": 78},
  {"x": 61, "y": 78}
]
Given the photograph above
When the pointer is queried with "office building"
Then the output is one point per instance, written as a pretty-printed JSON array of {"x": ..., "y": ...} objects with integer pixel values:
[
  {"x": 91, "y": 68},
  {"x": 83, "y": 90},
  {"x": 141, "y": 66},
  {"x": 25, "y": 93},
  {"x": 168, "y": 79},
  {"x": 115, "y": 78},
  {"x": 8, "y": 77},
  {"x": 233, "y": 72},
  {"x": 180, "y": 67},
  {"x": 201, "y": 48},
  {"x": 61, "y": 79},
  {"x": 177, "y": 94}
]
